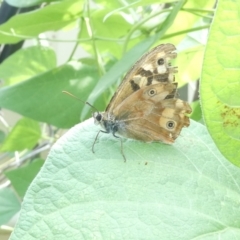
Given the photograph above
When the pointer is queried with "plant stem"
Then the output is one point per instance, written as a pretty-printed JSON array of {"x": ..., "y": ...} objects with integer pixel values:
[{"x": 91, "y": 35}]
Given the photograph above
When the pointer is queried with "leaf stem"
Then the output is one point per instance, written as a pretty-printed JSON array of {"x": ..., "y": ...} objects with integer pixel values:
[{"x": 91, "y": 35}]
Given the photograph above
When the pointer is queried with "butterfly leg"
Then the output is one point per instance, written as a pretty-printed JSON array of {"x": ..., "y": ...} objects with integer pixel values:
[
  {"x": 121, "y": 146},
  {"x": 122, "y": 150},
  {"x": 96, "y": 139}
]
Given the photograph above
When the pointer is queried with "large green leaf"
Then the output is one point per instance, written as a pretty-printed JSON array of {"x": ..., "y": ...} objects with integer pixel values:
[
  {"x": 9, "y": 205},
  {"x": 182, "y": 191},
  {"x": 220, "y": 83},
  {"x": 29, "y": 25},
  {"x": 41, "y": 97}
]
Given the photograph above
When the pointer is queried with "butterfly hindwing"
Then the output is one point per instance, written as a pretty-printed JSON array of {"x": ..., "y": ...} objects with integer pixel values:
[{"x": 149, "y": 114}]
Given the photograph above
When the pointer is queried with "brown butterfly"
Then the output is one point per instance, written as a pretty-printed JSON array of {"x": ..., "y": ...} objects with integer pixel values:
[{"x": 145, "y": 106}]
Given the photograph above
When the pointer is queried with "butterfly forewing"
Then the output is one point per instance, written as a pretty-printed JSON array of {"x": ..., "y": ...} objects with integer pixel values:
[{"x": 152, "y": 68}]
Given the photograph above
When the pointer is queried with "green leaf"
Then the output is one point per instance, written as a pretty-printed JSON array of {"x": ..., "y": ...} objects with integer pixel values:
[
  {"x": 2, "y": 136},
  {"x": 27, "y": 3},
  {"x": 9, "y": 205},
  {"x": 220, "y": 83},
  {"x": 41, "y": 60},
  {"x": 189, "y": 62},
  {"x": 29, "y": 25},
  {"x": 182, "y": 191},
  {"x": 41, "y": 97},
  {"x": 196, "y": 111},
  {"x": 22, "y": 177},
  {"x": 24, "y": 135}
]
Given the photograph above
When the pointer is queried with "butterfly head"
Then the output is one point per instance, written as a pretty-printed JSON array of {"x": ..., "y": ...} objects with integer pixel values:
[{"x": 98, "y": 117}]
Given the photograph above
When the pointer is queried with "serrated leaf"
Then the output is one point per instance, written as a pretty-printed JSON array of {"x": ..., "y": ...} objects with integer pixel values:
[
  {"x": 42, "y": 59},
  {"x": 24, "y": 135},
  {"x": 29, "y": 25},
  {"x": 22, "y": 177},
  {"x": 9, "y": 205},
  {"x": 220, "y": 83},
  {"x": 41, "y": 97},
  {"x": 182, "y": 191}
]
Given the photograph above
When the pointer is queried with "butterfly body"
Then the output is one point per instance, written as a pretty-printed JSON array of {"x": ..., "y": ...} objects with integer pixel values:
[{"x": 145, "y": 106}]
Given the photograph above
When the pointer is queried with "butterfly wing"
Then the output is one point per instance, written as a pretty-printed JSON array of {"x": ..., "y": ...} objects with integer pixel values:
[
  {"x": 152, "y": 68},
  {"x": 153, "y": 114}
]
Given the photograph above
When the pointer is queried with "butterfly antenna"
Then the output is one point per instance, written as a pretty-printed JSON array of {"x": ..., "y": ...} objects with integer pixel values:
[{"x": 68, "y": 93}]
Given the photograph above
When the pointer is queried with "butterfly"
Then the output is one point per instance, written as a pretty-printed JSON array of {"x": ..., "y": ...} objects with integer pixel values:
[{"x": 145, "y": 106}]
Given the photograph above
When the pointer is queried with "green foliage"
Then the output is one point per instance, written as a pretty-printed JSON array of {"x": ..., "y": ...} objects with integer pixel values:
[
  {"x": 44, "y": 60},
  {"x": 41, "y": 97},
  {"x": 9, "y": 205},
  {"x": 22, "y": 177},
  {"x": 29, "y": 25},
  {"x": 24, "y": 135}
]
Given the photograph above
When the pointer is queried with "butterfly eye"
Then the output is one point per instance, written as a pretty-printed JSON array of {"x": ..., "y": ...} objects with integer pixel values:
[
  {"x": 170, "y": 124},
  {"x": 160, "y": 61},
  {"x": 98, "y": 117},
  {"x": 152, "y": 92}
]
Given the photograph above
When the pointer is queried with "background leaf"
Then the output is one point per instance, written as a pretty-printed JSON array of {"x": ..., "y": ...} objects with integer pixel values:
[
  {"x": 182, "y": 191},
  {"x": 22, "y": 177},
  {"x": 41, "y": 97},
  {"x": 27, "y": 3},
  {"x": 220, "y": 82},
  {"x": 29, "y": 25},
  {"x": 27, "y": 63},
  {"x": 24, "y": 135},
  {"x": 9, "y": 205}
]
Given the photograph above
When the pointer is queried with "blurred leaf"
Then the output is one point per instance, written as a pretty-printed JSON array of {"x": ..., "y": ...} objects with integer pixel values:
[
  {"x": 24, "y": 135},
  {"x": 190, "y": 45},
  {"x": 41, "y": 97},
  {"x": 220, "y": 83},
  {"x": 22, "y": 177},
  {"x": 2, "y": 136},
  {"x": 27, "y": 3},
  {"x": 27, "y": 63},
  {"x": 182, "y": 191},
  {"x": 29, "y": 25},
  {"x": 112, "y": 5},
  {"x": 189, "y": 64},
  {"x": 196, "y": 111},
  {"x": 188, "y": 19},
  {"x": 9, "y": 205},
  {"x": 115, "y": 26}
]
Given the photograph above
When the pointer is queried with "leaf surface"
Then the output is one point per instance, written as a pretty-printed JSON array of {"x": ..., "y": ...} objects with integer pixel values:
[
  {"x": 220, "y": 82},
  {"x": 182, "y": 191}
]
